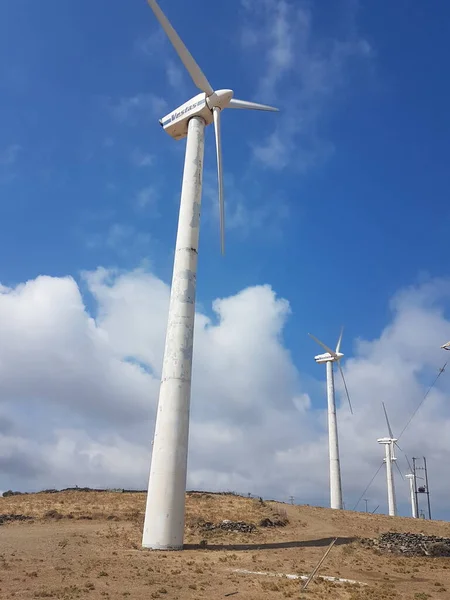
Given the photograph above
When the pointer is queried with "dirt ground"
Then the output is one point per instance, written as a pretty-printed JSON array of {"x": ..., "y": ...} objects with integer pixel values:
[{"x": 87, "y": 545}]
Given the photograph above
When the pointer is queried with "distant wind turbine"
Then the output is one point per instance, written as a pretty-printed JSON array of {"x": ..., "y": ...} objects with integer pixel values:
[
  {"x": 389, "y": 445},
  {"x": 330, "y": 357},
  {"x": 165, "y": 508}
]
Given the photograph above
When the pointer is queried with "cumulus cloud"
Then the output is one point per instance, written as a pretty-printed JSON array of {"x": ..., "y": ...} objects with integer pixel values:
[
  {"x": 398, "y": 368},
  {"x": 79, "y": 389}
]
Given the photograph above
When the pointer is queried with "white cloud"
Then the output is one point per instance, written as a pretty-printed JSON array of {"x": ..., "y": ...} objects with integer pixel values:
[
  {"x": 142, "y": 159},
  {"x": 133, "y": 109},
  {"x": 79, "y": 393},
  {"x": 124, "y": 240},
  {"x": 244, "y": 213},
  {"x": 8, "y": 162},
  {"x": 156, "y": 48},
  {"x": 303, "y": 71},
  {"x": 9, "y": 155},
  {"x": 175, "y": 75},
  {"x": 146, "y": 199},
  {"x": 151, "y": 45}
]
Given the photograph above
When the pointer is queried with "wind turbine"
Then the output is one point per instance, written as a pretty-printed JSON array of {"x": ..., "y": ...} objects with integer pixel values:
[
  {"x": 330, "y": 357},
  {"x": 164, "y": 514},
  {"x": 389, "y": 445}
]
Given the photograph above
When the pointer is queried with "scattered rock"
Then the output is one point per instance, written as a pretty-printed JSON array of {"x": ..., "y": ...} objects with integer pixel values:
[
  {"x": 11, "y": 518},
  {"x": 439, "y": 548},
  {"x": 411, "y": 544},
  {"x": 226, "y": 525},
  {"x": 53, "y": 514},
  {"x": 273, "y": 522}
]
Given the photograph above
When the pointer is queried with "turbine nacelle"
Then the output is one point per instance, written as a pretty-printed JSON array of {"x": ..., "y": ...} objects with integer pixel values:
[
  {"x": 387, "y": 440},
  {"x": 333, "y": 356},
  {"x": 391, "y": 440},
  {"x": 176, "y": 122},
  {"x": 327, "y": 357}
]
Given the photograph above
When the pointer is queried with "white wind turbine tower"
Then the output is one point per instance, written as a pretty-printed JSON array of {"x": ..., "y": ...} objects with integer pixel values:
[
  {"x": 164, "y": 514},
  {"x": 389, "y": 446},
  {"x": 330, "y": 357},
  {"x": 412, "y": 492}
]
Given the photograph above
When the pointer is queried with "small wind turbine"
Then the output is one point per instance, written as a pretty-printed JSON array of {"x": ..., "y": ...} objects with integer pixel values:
[
  {"x": 164, "y": 514},
  {"x": 389, "y": 445},
  {"x": 330, "y": 357}
]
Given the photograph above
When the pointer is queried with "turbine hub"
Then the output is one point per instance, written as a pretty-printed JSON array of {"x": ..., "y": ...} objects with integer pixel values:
[{"x": 219, "y": 99}]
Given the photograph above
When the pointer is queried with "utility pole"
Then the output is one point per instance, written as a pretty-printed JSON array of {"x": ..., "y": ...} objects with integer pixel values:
[
  {"x": 428, "y": 489},
  {"x": 415, "y": 485},
  {"x": 421, "y": 489}
]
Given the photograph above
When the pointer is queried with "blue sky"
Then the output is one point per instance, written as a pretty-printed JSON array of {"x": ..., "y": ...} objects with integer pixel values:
[
  {"x": 366, "y": 217},
  {"x": 337, "y": 202}
]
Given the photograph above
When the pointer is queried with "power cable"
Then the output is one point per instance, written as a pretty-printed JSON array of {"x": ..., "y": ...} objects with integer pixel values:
[
  {"x": 402, "y": 432},
  {"x": 422, "y": 401},
  {"x": 370, "y": 483}
]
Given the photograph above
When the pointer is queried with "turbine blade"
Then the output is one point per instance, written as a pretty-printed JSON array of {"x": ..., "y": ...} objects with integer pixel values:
[
  {"x": 407, "y": 459},
  {"x": 338, "y": 347},
  {"x": 198, "y": 77},
  {"x": 329, "y": 350},
  {"x": 216, "y": 114},
  {"x": 387, "y": 421},
  {"x": 399, "y": 470},
  {"x": 345, "y": 385},
  {"x": 235, "y": 103}
]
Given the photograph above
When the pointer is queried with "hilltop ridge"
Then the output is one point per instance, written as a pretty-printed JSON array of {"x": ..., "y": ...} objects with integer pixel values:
[{"x": 233, "y": 544}]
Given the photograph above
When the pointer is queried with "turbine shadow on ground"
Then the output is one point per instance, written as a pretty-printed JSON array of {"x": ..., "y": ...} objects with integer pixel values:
[{"x": 322, "y": 542}]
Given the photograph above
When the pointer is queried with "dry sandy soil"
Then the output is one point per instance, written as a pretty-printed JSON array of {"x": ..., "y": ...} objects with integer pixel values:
[{"x": 89, "y": 547}]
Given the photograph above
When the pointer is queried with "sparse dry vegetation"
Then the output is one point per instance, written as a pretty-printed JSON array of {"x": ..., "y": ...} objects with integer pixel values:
[{"x": 82, "y": 544}]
